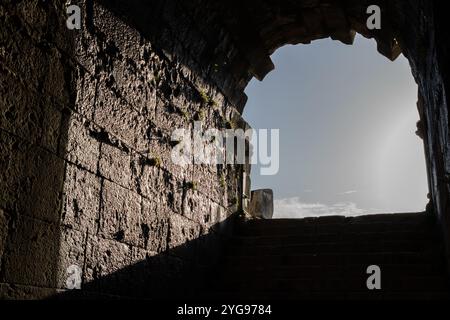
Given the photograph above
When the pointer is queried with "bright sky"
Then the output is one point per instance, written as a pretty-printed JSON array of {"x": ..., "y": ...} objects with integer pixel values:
[{"x": 347, "y": 118}]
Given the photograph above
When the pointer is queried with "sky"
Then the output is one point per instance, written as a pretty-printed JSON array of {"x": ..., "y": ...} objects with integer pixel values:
[{"x": 347, "y": 119}]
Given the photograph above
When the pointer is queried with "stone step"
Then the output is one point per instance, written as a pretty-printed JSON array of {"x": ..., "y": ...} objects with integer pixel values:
[
  {"x": 280, "y": 230},
  {"x": 364, "y": 259},
  {"x": 332, "y": 237},
  {"x": 333, "y": 247},
  {"x": 327, "y": 258}
]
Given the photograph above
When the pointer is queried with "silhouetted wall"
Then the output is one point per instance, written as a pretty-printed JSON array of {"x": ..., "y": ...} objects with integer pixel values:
[
  {"x": 86, "y": 123},
  {"x": 87, "y": 115}
]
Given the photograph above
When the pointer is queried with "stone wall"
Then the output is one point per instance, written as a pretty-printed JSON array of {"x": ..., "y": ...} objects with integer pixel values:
[
  {"x": 87, "y": 115},
  {"x": 86, "y": 122},
  {"x": 415, "y": 28},
  {"x": 421, "y": 26}
]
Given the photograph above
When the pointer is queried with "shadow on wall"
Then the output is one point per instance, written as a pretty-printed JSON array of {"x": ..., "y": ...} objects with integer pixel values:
[
  {"x": 42, "y": 139},
  {"x": 186, "y": 272},
  {"x": 36, "y": 86},
  {"x": 190, "y": 33}
]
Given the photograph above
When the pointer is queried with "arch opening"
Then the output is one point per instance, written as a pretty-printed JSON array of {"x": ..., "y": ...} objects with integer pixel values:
[{"x": 347, "y": 118}]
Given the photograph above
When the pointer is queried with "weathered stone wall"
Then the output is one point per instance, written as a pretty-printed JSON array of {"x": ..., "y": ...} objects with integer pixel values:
[
  {"x": 86, "y": 122},
  {"x": 415, "y": 27},
  {"x": 421, "y": 26},
  {"x": 35, "y": 90},
  {"x": 86, "y": 118}
]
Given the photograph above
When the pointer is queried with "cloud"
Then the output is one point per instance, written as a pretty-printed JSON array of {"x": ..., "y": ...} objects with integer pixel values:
[
  {"x": 349, "y": 192},
  {"x": 295, "y": 208}
]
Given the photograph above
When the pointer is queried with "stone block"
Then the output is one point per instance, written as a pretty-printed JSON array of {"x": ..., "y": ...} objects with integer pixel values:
[
  {"x": 161, "y": 147},
  {"x": 132, "y": 71},
  {"x": 31, "y": 256},
  {"x": 218, "y": 217},
  {"x": 116, "y": 116},
  {"x": 59, "y": 78},
  {"x": 24, "y": 292},
  {"x": 43, "y": 67},
  {"x": 31, "y": 179},
  {"x": 154, "y": 224},
  {"x": 44, "y": 21},
  {"x": 50, "y": 123},
  {"x": 71, "y": 255},
  {"x": 125, "y": 38},
  {"x": 212, "y": 182},
  {"x": 175, "y": 190},
  {"x": 27, "y": 114},
  {"x": 197, "y": 207},
  {"x": 149, "y": 177},
  {"x": 182, "y": 233},
  {"x": 105, "y": 260},
  {"x": 115, "y": 164},
  {"x": 136, "y": 82},
  {"x": 139, "y": 255},
  {"x": 185, "y": 96},
  {"x": 86, "y": 86},
  {"x": 85, "y": 47},
  {"x": 4, "y": 221},
  {"x": 262, "y": 204},
  {"x": 10, "y": 152},
  {"x": 20, "y": 45},
  {"x": 170, "y": 117},
  {"x": 81, "y": 146},
  {"x": 81, "y": 199},
  {"x": 121, "y": 215}
]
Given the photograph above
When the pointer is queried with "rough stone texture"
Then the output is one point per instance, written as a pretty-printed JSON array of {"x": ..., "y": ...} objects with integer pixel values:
[
  {"x": 71, "y": 253},
  {"x": 31, "y": 254},
  {"x": 262, "y": 204},
  {"x": 115, "y": 164},
  {"x": 27, "y": 114},
  {"x": 105, "y": 257},
  {"x": 427, "y": 49},
  {"x": 182, "y": 230},
  {"x": 81, "y": 199},
  {"x": 120, "y": 215},
  {"x": 23, "y": 292},
  {"x": 129, "y": 125},
  {"x": 154, "y": 225},
  {"x": 149, "y": 179},
  {"x": 82, "y": 147},
  {"x": 86, "y": 118},
  {"x": 4, "y": 219},
  {"x": 31, "y": 180},
  {"x": 157, "y": 275},
  {"x": 325, "y": 258}
]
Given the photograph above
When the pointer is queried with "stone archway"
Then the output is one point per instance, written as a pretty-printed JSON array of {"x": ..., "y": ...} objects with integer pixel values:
[
  {"x": 260, "y": 27},
  {"x": 335, "y": 107},
  {"x": 118, "y": 87}
]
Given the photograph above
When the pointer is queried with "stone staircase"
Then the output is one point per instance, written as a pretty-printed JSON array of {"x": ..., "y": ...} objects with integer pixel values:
[{"x": 328, "y": 257}]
